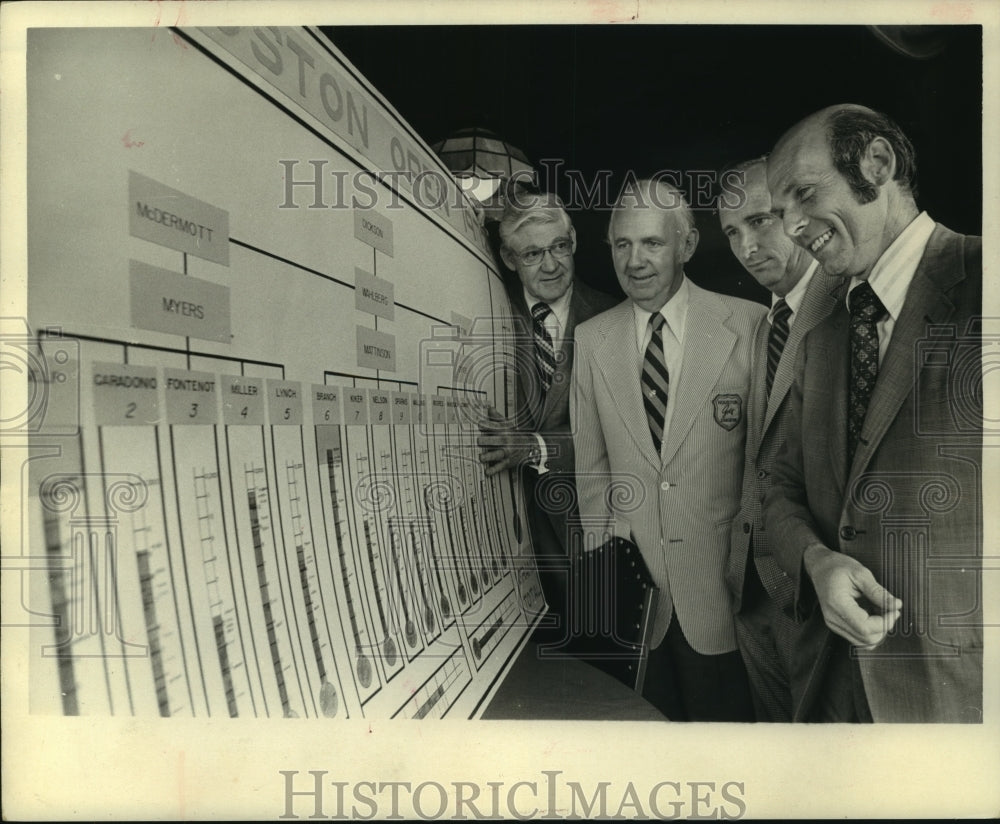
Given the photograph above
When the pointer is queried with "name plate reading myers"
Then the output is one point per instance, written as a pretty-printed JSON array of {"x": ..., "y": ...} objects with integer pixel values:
[
  {"x": 170, "y": 218},
  {"x": 326, "y": 403},
  {"x": 355, "y": 406},
  {"x": 376, "y": 350},
  {"x": 401, "y": 407},
  {"x": 192, "y": 397},
  {"x": 242, "y": 400},
  {"x": 373, "y": 295},
  {"x": 379, "y": 406},
  {"x": 373, "y": 229},
  {"x": 125, "y": 395},
  {"x": 165, "y": 301},
  {"x": 284, "y": 402}
]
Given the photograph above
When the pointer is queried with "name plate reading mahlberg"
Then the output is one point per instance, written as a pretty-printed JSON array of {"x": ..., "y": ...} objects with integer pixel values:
[
  {"x": 168, "y": 217},
  {"x": 401, "y": 408},
  {"x": 373, "y": 295},
  {"x": 376, "y": 350},
  {"x": 284, "y": 402},
  {"x": 379, "y": 407},
  {"x": 326, "y": 403},
  {"x": 125, "y": 395},
  {"x": 373, "y": 229},
  {"x": 242, "y": 400},
  {"x": 192, "y": 397},
  {"x": 165, "y": 301},
  {"x": 355, "y": 406}
]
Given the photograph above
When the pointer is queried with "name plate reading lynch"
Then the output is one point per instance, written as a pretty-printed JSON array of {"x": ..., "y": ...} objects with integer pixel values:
[
  {"x": 284, "y": 402},
  {"x": 373, "y": 229},
  {"x": 165, "y": 301},
  {"x": 242, "y": 400},
  {"x": 376, "y": 350},
  {"x": 125, "y": 395},
  {"x": 373, "y": 295},
  {"x": 191, "y": 396},
  {"x": 170, "y": 218}
]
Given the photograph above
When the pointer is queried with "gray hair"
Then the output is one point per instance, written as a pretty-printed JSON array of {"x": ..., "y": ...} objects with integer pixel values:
[
  {"x": 660, "y": 194},
  {"x": 524, "y": 208}
]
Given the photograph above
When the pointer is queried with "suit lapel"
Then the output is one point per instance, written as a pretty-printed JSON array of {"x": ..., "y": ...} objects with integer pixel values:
[
  {"x": 832, "y": 352},
  {"x": 525, "y": 368},
  {"x": 555, "y": 398},
  {"x": 617, "y": 359},
  {"x": 707, "y": 344}
]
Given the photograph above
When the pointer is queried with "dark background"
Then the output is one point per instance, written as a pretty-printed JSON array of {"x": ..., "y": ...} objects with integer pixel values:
[{"x": 646, "y": 98}]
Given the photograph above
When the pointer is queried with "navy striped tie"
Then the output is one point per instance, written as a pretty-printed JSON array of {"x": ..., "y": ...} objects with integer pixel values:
[
  {"x": 776, "y": 339},
  {"x": 545, "y": 353},
  {"x": 655, "y": 381}
]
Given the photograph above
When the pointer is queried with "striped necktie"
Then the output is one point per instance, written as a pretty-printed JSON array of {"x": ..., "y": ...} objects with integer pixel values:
[
  {"x": 655, "y": 381},
  {"x": 866, "y": 310},
  {"x": 545, "y": 353},
  {"x": 776, "y": 339}
]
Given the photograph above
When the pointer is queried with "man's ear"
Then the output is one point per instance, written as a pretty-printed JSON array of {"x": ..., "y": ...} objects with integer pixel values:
[
  {"x": 690, "y": 244},
  {"x": 572, "y": 238},
  {"x": 508, "y": 258},
  {"x": 878, "y": 163}
]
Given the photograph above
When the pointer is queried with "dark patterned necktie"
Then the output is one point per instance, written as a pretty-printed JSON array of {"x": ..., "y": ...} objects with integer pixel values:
[
  {"x": 655, "y": 381},
  {"x": 545, "y": 354},
  {"x": 866, "y": 310},
  {"x": 776, "y": 339}
]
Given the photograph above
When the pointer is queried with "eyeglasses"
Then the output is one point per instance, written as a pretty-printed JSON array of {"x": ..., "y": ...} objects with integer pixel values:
[{"x": 560, "y": 249}]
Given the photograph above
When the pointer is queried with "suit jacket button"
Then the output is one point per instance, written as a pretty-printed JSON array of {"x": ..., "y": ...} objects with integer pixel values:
[
  {"x": 848, "y": 533},
  {"x": 761, "y": 474},
  {"x": 746, "y": 527},
  {"x": 665, "y": 486}
]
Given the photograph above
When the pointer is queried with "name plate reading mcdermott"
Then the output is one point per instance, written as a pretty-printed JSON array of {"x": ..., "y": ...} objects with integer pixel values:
[
  {"x": 165, "y": 301},
  {"x": 373, "y": 229},
  {"x": 125, "y": 395},
  {"x": 170, "y": 218},
  {"x": 242, "y": 400},
  {"x": 373, "y": 295},
  {"x": 376, "y": 350}
]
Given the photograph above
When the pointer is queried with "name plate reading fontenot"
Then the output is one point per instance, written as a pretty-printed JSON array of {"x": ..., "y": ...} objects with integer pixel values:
[
  {"x": 401, "y": 407},
  {"x": 165, "y": 301},
  {"x": 355, "y": 406},
  {"x": 284, "y": 402},
  {"x": 171, "y": 218},
  {"x": 326, "y": 403},
  {"x": 126, "y": 395},
  {"x": 192, "y": 397},
  {"x": 242, "y": 400},
  {"x": 373, "y": 229},
  {"x": 379, "y": 406},
  {"x": 376, "y": 350},
  {"x": 373, "y": 295}
]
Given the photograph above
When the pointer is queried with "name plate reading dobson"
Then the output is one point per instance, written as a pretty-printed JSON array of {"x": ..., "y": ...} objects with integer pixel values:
[
  {"x": 192, "y": 397},
  {"x": 165, "y": 301},
  {"x": 242, "y": 400},
  {"x": 326, "y": 403},
  {"x": 376, "y": 350},
  {"x": 373, "y": 229},
  {"x": 284, "y": 402},
  {"x": 379, "y": 406},
  {"x": 170, "y": 218},
  {"x": 125, "y": 395},
  {"x": 373, "y": 295}
]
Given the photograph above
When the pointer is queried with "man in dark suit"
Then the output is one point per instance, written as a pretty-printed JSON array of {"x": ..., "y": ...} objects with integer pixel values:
[
  {"x": 875, "y": 510},
  {"x": 800, "y": 297},
  {"x": 538, "y": 242}
]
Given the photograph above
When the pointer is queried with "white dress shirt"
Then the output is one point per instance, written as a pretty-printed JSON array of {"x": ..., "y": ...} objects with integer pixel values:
[{"x": 795, "y": 297}]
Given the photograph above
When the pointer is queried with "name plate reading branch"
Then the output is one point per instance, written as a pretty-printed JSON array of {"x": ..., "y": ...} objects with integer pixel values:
[
  {"x": 170, "y": 218},
  {"x": 326, "y": 403},
  {"x": 125, "y": 395},
  {"x": 376, "y": 350},
  {"x": 373, "y": 295},
  {"x": 165, "y": 301}
]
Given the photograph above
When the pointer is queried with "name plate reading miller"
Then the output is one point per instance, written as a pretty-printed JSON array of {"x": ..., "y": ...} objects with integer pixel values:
[
  {"x": 125, "y": 395},
  {"x": 380, "y": 406},
  {"x": 376, "y": 350},
  {"x": 373, "y": 295},
  {"x": 373, "y": 229},
  {"x": 242, "y": 400},
  {"x": 192, "y": 397},
  {"x": 326, "y": 403},
  {"x": 170, "y": 218},
  {"x": 284, "y": 402},
  {"x": 165, "y": 301}
]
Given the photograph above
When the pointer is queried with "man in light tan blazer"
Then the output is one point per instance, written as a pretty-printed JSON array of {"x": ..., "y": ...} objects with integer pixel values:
[{"x": 676, "y": 498}]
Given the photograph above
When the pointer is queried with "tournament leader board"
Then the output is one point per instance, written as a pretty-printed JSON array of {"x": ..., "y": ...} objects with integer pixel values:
[{"x": 262, "y": 324}]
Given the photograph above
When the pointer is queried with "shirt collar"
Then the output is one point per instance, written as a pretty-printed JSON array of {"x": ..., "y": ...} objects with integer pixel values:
[
  {"x": 795, "y": 297},
  {"x": 560, "y": 308},
  {"x": 674, "y": 311},
  {"x": 891, "y": 276}
]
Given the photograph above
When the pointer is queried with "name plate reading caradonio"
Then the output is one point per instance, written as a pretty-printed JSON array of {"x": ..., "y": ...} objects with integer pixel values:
[
  {"x": 326, "y": 403},
  {"x": 165, "y": 301},
  {"x": 376, "y": 350},
  {"x": 192, "y": 397},
  {"x": 373, "y": 295},
  {"x": 284, "y": 402},
  {"x": 167, "y": 217},
  {"x": 355, "y": 406},
  {"x": 125, "y": 395},
  {"x": 374, "y": 229},
  {"x": 401, "y": 408},
  {"x": 379, "y": 406},
  {"x": 242, "y": 400}
]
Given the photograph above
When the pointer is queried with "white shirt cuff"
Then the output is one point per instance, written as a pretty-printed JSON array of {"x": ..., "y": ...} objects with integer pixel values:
[{"x": 543, "y": 455}]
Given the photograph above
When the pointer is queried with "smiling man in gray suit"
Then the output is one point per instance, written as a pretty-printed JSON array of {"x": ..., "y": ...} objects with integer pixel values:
[
  {"x": 659, "y": 409},
  {"x": 876, "y": 506}
]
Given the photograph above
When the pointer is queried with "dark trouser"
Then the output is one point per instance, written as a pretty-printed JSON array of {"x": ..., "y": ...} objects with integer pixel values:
[
  {"x": 688, "y": 686},
  {"x": 841, "y": 697}
]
